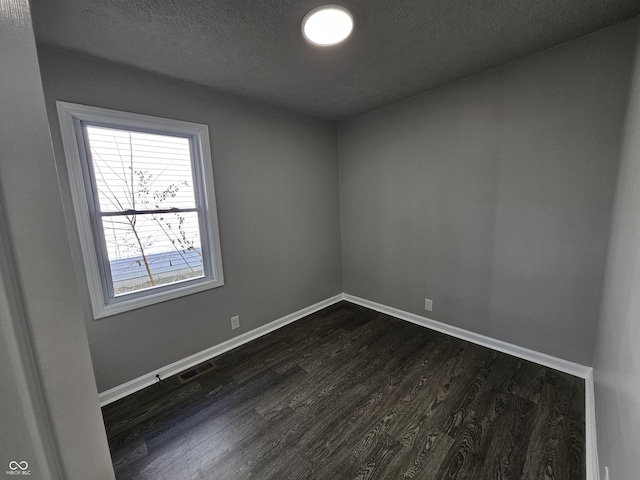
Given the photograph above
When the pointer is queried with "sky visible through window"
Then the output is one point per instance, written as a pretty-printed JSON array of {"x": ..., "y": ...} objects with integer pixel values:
[{"x": 145, "y": 173}]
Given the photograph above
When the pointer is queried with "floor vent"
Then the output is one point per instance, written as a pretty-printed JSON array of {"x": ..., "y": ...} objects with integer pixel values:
[{"x": 195, "y": 371}]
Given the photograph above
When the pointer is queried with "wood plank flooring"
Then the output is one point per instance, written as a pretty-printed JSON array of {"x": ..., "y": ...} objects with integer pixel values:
[{"x": 350, "y": 393}]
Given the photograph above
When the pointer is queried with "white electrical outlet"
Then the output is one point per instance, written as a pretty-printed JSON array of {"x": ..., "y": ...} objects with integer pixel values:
[
  {"x": 428, "y": 305},
  {"x": 235, "y": 322},
  {"x": 606, "y": 473}
]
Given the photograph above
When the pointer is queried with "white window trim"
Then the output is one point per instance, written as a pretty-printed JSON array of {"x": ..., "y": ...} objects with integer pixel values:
[{"x": 69, "y": 114}]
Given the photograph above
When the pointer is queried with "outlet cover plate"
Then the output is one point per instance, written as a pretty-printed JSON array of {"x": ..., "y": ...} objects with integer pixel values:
[
  {"x": 428, "y": 305},
  {"x": 235, "y": 322}
]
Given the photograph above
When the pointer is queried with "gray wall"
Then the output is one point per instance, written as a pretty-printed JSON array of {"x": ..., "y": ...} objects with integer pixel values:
[
  {"x": 492, "y": 196},
  {"x": 276, "y": 179},
  {"x": 49, "y": 412},
  {"x": 617, "y": 358}
]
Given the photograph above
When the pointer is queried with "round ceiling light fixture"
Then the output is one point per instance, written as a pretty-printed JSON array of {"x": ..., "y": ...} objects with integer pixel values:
[{"x": 327, "y": 25}]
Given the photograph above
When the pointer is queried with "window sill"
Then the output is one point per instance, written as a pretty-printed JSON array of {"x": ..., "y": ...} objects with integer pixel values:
[{"x": 122, "y": 304}]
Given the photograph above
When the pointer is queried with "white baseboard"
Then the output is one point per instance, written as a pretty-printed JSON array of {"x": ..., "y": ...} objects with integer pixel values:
[
  {"x": 591, "y": 440},
  {"x": 582, "y": 371},
  {"x": 505, "y": 347},
  {"x": 543, "y": 359},
  {"x": 132, "y": 386}
]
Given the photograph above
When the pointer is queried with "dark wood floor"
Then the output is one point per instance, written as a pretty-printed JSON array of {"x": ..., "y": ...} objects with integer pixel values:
[{"x": 349, "y": 393}]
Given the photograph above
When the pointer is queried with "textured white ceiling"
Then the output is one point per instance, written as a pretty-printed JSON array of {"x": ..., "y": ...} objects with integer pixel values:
[{"x": 254, "y": 48}]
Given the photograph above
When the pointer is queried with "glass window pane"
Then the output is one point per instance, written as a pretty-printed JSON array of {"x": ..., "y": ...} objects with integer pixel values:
[
  {"x": 147, "y": 251},
  {"x": 140, "y": 171}
]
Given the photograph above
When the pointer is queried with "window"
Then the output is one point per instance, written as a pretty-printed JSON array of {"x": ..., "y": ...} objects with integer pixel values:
[{"x": 142, "y": 189}]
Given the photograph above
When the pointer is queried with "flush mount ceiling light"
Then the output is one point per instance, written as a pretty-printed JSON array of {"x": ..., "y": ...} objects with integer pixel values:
[{"x": 327, "y": 25}]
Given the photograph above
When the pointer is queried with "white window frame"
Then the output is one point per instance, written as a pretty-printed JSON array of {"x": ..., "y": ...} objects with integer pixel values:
[{"x": 72, "y": 116}]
